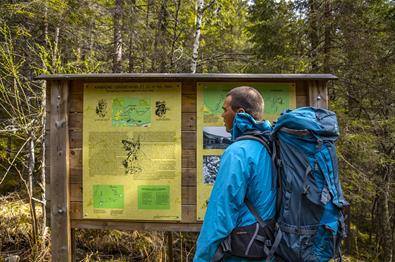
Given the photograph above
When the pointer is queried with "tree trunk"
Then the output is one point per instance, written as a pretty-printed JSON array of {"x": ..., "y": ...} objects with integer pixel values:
[
  {"x": 43, "y": 156},
  {"x": 55, "y": 49},
  {"x": 132, "y": 35},
  {"x": 313, "y": 34},
  {"x": 117, "y": 54},
  {"x": 199, "y": 17},
  {"x": 175, "y": 34},
  {"x": 387, "y": 232},
  {"x": 146, "y": 38},
  {"x": 31, "y": 164},
  {"x": 327, "y": 36},
  {"x": 159, "y": 42},
  {"x": 46, "y": 23}
]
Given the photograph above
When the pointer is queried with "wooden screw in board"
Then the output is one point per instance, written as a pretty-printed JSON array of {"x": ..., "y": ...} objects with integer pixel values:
[{"x": 318, "y": 94}]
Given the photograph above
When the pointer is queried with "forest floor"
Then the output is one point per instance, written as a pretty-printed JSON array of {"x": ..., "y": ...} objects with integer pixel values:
[{"x": 91, "y": 245}]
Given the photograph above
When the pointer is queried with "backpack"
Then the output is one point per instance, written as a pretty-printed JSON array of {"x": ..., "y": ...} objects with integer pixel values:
[
  {"x": 310, "y": 198},
  {"x": 309, "y": 221}
]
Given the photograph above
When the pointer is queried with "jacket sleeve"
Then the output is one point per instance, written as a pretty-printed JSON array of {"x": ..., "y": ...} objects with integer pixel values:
[{"x": 224, "y": 204}]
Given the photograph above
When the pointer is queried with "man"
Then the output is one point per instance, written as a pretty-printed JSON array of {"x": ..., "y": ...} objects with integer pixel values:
[{"x": 245, "y": 173}]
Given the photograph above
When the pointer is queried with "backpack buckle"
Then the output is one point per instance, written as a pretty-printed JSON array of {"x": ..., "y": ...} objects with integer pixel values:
[
  {"x": 225, "y": 244},
  {"x": 279, "y": 163}
]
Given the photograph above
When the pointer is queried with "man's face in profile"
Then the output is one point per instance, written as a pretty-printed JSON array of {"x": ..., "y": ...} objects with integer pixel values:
[{"x": 228, "y": 115}]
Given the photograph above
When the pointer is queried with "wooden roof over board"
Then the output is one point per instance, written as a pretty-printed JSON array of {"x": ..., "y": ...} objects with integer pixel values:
[{"x": 188, "y": 76}]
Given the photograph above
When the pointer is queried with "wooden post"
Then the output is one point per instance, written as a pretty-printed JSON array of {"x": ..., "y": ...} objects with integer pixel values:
[
  {"x": 170, "y": 252},
  {"x": 59, "y": 171},
  {"x": 318, "y": 93}
]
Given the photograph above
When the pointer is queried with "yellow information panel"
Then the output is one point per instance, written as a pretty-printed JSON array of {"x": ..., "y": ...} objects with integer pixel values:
[
  {"x": 212, "y": 138},
  {"x": 132, "y": 151}
]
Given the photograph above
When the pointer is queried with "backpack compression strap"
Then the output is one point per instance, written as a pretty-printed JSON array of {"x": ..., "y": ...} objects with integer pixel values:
[{"x": 263, "y": 224}]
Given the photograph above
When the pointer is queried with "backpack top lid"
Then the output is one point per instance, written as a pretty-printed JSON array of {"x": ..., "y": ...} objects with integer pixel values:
[{"x": 319, "y": 121}]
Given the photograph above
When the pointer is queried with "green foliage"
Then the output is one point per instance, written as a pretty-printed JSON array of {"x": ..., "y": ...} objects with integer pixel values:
[{"x": 353, "y": 39}]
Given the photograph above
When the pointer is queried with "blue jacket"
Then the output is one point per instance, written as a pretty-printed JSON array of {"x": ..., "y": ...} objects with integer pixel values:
[{"x": 245, "y": 171}]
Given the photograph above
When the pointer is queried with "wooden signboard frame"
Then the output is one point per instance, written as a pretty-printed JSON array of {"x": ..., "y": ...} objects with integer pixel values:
[{"x": 64, "y": 155}]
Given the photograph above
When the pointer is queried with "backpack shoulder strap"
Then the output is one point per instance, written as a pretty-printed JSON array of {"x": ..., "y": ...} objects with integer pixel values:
[{"x": 257, "y": 136}]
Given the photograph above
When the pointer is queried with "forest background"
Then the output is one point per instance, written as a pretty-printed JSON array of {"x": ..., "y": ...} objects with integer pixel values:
[{"x": 352, "y": 39}]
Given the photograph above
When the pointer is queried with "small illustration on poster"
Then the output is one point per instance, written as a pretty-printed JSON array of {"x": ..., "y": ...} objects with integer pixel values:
[
  {"x": 132, "y": 162},
  {"x": 161, "y": 109},
  {"x": 101, "y": 108}
]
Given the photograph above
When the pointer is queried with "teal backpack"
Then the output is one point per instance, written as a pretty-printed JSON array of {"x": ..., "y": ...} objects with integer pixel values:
[
  {"x": 310, "y": 197},
  {"x": 309, "y": 224}
]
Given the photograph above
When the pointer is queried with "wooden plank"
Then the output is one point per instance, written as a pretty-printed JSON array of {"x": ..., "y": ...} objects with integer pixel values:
[
  {"x": 76, "y": 192},
  {"x": 60, "y": 213},
  {"x": 76, "y": 210},
  {"x": 188, "y": 213},
  {"x": 188, "y": 195},
  {"x": 75, "y": 120},
  {"x": 76, "y": 175},
  {"x": 77, "y": 87},
  {"x": 188, "y": 104},
  {"x": 125, "y": 225},
  {"x": 48, "y": 97},
  {"x": 75, "y": 138},
  {"x": 189, "y": 87},
  {"x": 301, "y": 101},
  {"x": 188, "y": 158},
  {"x": 187, "y": 77},
  {"x": 188, "y": 140},
  {"x": 76, "y": 158},
  {"x": 301, "y": 88},
  {"x": 318, "y": 94},
  {"x": 188, "y": 122},
  {"x": 76, "y": 103},
  {"x": 188, "y": 177}
]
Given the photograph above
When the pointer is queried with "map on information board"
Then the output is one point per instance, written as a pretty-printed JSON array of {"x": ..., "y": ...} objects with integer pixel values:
[
  {"x": 212, "y": 138},
  {"x": 132, "y": 151},
  {"x": 131, "y": 111}
]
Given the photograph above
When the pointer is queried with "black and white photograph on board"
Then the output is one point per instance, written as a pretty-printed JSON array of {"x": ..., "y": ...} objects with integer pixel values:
[
  {"x": 210, "y": 168},
  {"x": 216, "y": 137}
]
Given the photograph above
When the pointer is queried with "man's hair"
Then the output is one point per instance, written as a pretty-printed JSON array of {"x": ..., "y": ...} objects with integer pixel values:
[{"x": 249, "y": 99}]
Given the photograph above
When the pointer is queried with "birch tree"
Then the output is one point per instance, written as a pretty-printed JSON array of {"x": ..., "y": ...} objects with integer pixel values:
[
  {"x": 199, "y": 18},
  {"x": 117, "y": 20}
]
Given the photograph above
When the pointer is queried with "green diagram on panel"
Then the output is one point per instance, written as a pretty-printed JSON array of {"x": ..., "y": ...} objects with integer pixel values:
[
  {"x": 108, "y": 196},
  {"x": 277, "y": 99},
  {"x": 213, "y": 100},
  {"x": 131, "y": 111},
  {"x": 154, "y": 197}
]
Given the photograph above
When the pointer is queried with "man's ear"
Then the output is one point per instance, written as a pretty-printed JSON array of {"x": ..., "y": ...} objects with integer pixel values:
[{"x": 241, "y": 110}]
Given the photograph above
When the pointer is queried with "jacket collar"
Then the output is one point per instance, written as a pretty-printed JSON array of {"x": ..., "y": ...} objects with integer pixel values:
[{"x": 245, "y": 122}]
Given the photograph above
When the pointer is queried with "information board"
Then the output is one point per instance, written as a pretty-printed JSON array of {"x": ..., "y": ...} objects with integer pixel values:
[
  {"x": 212, "y": 138},
  {"x": 132, "y": 151}
]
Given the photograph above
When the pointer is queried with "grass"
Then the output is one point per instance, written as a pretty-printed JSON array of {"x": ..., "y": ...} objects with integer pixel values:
[
  {"x": 100, "y": 245},
  {"x": 91, "y": 245}
]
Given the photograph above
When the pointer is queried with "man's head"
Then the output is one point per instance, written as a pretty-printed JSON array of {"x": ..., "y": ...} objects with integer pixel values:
[{"x": 242, "y": 99}]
